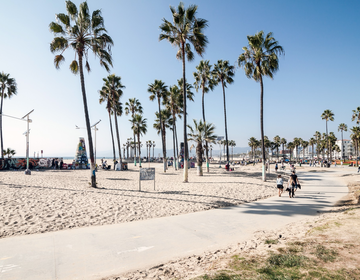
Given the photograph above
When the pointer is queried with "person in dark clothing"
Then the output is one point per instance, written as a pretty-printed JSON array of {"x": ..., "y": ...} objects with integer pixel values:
[
  {"x": 61, "y": 164},
  {"x": 293, "y": 184},
  {"x": 53, "y": 163},
  {"x": 56, "y": 164}
]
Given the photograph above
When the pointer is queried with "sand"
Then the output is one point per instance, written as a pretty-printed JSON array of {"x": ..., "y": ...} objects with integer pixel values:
[{"x": 55, "y": 200}]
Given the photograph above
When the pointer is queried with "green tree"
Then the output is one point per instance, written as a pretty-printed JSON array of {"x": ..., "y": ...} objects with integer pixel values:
[
  {"x": 290, "y": 147},
  {"x": 223, "y": 73},
  {"x": 113, "y": 87},
  {"x": 158, "y": 90},
  {"x": 9, "y": 152},
  {"x": 277, "y": 142},
  {"x": 204, "y": 81},
  {"x": 312, "y": 142},
  {"x": 297, "y": 143},
  {"x": 8, "y": 88},
  {"x": 133, "y": 106},
  {"x": 173, "y": 105},
  {"x": 356, "y": 115},
  {"x": 186, "y": 29},
  {"x": 253, "y": 144},
  {"x": 343, "y": 127},
  {"x": 304, "y": 145},
  {"x": 105, "y": 96},
  {"x": 327, "y": 115},
  {"x": 161, "y": 126},
  {"x": 201, "y": 133},
  {"x": 260, "y": 59},
  {"x": 139, "y": 127},
  {"x": 83, "y": 33},
  {"x": 317, "y": 136},
  {"x": 355, "y": 137}
]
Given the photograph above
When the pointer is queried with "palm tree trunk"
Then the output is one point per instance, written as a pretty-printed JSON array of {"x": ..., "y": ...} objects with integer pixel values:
[
  {"x": 162, "y": 137},
  {"x": 138, "y": 137},
  {"x": 206, "y": 143},
  {"x": 186, "y": 152},
  {"x": 1, "y": 130},
  {"x": 328, "y": 143},
  {"x": 118, "y": 140},
  {"x": 177, "y": 143},
  {"x": 199, "y": 155},
  {"x": 173, "y": 132},
  {"x": 226, "y": 134},
  {"x": 133, "y": 114},
  {"x": 87, "y": 121},
  {"x": 342, "y": 145},
  {"x": 262, "y": 127},
  {"x": 112, "y": 138}
]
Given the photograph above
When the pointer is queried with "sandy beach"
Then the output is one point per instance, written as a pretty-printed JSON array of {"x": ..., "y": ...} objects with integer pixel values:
[{"x": 54, "y": 200}]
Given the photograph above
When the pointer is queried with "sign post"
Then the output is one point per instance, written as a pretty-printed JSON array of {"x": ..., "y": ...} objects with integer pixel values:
[{"x": 146, "y": 174}]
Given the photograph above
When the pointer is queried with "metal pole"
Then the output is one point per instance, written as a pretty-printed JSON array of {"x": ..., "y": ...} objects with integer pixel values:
[
  {"x": 95, "y": 143},
  {"x": 27, "y": 171}
]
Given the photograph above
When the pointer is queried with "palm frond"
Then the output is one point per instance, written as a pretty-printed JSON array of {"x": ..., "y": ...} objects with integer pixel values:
[
  {"x": 74, "y": 67},
  {"x": 58, "y": 60}
]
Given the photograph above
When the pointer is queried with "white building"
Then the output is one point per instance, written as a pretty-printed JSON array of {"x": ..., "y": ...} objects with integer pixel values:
[{"x": 347, "y": 149}]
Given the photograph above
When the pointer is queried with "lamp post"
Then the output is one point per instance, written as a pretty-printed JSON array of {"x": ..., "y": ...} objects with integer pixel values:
[
  {"x": 128, "y": 142},
  {"x": 27, "y": 171}
]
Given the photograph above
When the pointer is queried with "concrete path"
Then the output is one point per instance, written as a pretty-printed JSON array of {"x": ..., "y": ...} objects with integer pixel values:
[{"x": 96, "y": 252}]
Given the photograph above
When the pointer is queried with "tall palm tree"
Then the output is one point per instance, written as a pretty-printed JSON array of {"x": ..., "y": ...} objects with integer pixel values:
[
  {"x": 317, "y": 136},
  {"x": 355, "y": 137},
  {"x": 83, "y": 33},
  {"x": 9, "y": 152},
  {"x": 232, "y": 144},
  {"x": 201, "y": 133},
  {"x": 304, "y": 145},
  {"x": 185, "y": 30},
  {"x": 159, "y": 91},
  {"x": 139, "y": 127},
  {"x": 173, "y": 105},
  {"x": 328, "y": 115},
  {"x": 343, "y": 127},
  {"x": 8, "y": 88},
  {"x": 291, "y": 147},
  {"x": 283, "y": 143},
  {"x": 133, "y": 106},
  {"x": 277, "y": 143},
  {"x": 223, "y": 73},
  {"x": 253, "y": 143},
  {"x": 312, "y": 142},
  {"x": 260, "y": 59},
  {"x": 105, "y": 96},
  {"x": 204, "y": 81},
  {"x": 113, "y": 87},
  {"x": 161, "y": 126},
  {"x": 297, "y": 143},
  {"x": 356, "y": 115}
]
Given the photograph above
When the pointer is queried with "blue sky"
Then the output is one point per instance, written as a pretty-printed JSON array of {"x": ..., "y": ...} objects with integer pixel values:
[{"x": 319, "y": 70}]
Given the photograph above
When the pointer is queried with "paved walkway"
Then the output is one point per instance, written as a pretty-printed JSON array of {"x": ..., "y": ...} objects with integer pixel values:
[{"x": 95, "y": 252}]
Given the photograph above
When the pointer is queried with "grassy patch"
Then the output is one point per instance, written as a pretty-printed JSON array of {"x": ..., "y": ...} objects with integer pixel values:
[
  {"x": 324, "y": 254},
  {"x": 271, "y": 241},
  {"x": 287, "y": 260}
]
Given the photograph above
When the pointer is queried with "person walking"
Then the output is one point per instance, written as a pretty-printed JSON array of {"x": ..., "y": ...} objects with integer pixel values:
[
  {"x": 280, "y": 184},
  {"x": 294, "y": 183},
  {"x": 276, "y": 167}
]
